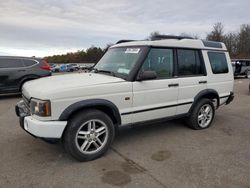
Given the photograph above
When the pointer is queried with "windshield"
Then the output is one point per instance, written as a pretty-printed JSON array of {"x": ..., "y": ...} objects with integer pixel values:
[{"x": 119, "y": 61}]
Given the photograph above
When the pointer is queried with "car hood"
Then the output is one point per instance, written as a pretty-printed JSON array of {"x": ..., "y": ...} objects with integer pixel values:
[{"x": 44, "y": 88}]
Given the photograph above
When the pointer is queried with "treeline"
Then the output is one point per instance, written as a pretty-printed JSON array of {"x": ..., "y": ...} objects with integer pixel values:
[
  {"x": 238, "y": 45},
  {"x": 91, "y": 55},
  {"x": 238, "y": 42}
]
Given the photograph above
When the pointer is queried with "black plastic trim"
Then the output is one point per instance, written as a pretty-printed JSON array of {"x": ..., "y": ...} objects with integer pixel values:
[
  {"x": 201, "y": 94},
  {"x": 224, "y": 97},
  {"x": 91, "y": 103},
  {"x": 163, "y": 37},
  {"x": 156, "y": 108},
  {"x": 230, "y": 98}
]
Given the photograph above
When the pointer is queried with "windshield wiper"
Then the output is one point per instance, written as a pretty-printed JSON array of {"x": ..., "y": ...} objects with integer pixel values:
[{"x": 104, "y": 71}]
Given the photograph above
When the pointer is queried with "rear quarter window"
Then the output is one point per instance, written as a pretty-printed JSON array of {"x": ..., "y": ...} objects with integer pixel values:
[
  {"x": 218, "y": 62},
  {"x": 29, "y": 62}
]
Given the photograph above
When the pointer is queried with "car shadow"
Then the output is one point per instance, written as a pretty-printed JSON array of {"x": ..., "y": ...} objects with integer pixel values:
[
  {"x": 240, "y": 77},
  {"x": 149, "y": 128}
]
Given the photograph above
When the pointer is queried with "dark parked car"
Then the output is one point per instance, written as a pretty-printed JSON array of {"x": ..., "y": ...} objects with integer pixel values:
[
  {"x": 15, "y": 71},
  {"x": 241, "y": 67}
]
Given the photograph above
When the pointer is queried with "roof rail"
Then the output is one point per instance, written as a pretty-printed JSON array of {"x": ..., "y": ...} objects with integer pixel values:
[
  {"x": 122, "y": 41},
  {"x": 162, "y": 37}
]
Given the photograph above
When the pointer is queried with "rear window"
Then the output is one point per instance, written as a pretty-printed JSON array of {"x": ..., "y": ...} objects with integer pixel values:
[
  {"x": 218, "y": 62},
  {"x": 28, "y": 62},
  {"x": 10, "y": 63}
]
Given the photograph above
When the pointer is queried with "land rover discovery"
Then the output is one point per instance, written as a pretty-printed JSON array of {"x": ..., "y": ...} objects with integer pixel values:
[{"x": 134, "y": 82}]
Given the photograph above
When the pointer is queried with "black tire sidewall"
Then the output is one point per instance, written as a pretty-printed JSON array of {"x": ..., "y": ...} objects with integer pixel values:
[
  {"x": 193, "y": 119},
  {"x": 73, "y": 126}
]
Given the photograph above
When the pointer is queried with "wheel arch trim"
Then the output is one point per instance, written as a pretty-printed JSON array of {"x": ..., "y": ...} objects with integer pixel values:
[
  {"x": 203, "y": 94},
  {"x": 91, "y": 103}
]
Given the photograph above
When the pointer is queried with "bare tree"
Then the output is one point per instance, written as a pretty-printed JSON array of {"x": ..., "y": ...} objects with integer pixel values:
[
  {"x": 231, "y": 41},
  {"x": 153, "y": 35},
  {"x": 217, "y": 33},
  {"x": 244, "y": 41}
]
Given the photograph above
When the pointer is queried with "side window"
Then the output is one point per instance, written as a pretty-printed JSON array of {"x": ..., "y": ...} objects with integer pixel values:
[
  {"x": 160, "y": 61},
  {"x": 243, "y": 63},
  {"x": 218, "y": 62},
  {"x": 28, "y": 62},
  {"x": 10, "y": 63},
  {"x": 189, "y": 63}
]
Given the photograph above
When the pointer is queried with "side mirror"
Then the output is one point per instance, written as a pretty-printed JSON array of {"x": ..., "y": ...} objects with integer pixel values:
[{"x": 147, "y": 75}]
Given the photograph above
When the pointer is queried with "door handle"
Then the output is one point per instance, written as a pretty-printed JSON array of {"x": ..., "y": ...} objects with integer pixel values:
[
  {"x": 21, "y": 70},
  {"x": 173, "y": 85},
  {"x": 203, "y": 82}
]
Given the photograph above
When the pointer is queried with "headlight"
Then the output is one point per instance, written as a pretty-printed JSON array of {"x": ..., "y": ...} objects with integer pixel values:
[{"x": 40, "y": 107}]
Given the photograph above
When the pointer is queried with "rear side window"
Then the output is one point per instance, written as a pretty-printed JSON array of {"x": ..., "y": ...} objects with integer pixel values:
[
  {"x": 160, "y": 61},
  {"x": 246, "y": 63},
  {"x": 189, "y": 63},
  {"x": 218, "y": 62},
  {"x": 28, "y": 62},
  {"x": 10, "y": 63}
]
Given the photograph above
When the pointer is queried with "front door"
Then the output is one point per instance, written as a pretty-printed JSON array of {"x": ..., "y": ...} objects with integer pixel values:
[{"x": 157, "y": 98}]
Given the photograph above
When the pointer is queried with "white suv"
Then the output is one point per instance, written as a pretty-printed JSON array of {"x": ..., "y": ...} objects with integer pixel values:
[{"x": 134, "y": 82}]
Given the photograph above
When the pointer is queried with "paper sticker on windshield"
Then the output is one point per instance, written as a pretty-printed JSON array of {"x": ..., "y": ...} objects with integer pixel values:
[
  {"x": 123, "y": 71},
  {"x": 132, "y": 50}
]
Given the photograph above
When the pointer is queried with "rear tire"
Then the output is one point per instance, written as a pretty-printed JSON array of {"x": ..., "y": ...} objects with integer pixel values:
[
  {"x": 88, "y": 135},
  {"x": 202, "y": 115}
]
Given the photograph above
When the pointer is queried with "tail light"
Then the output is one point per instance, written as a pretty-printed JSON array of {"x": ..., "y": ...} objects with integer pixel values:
[{"x": 45, "y": 65}]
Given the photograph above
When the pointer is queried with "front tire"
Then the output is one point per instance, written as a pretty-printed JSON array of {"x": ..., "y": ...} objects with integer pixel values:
[
  {"x": 202, "y": 115},
  {"x": 88, "y": 135}
]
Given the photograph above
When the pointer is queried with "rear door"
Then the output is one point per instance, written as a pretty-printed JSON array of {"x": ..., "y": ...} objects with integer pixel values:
[
  {"x": 221, "y": 73},
  {"x": 157, "y": 98},
  {"x": 11, "y": 71},
  {"x": 192, "y": 77}
]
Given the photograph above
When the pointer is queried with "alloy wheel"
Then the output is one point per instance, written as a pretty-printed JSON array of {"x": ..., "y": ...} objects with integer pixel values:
[
  {"x": 92, "y": 136},
  {"x": 205, "y": 115}
]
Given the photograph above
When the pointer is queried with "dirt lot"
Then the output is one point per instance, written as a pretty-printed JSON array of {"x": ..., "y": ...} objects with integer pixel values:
[{"x": 163, "y": 155}]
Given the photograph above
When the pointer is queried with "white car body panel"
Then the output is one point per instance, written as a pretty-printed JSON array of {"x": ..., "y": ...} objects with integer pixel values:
[
  {"x": 153, "y": 94},
  {"x": 65, "y": 90}
]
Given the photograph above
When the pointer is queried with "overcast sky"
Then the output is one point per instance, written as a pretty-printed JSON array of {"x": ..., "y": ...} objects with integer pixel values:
[{"x": 47, "y": 27}]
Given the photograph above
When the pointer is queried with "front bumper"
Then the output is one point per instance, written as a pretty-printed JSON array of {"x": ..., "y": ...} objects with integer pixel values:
[
  {"x": 37, "y": 128},
  {"x": 44, "y": 129}
]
